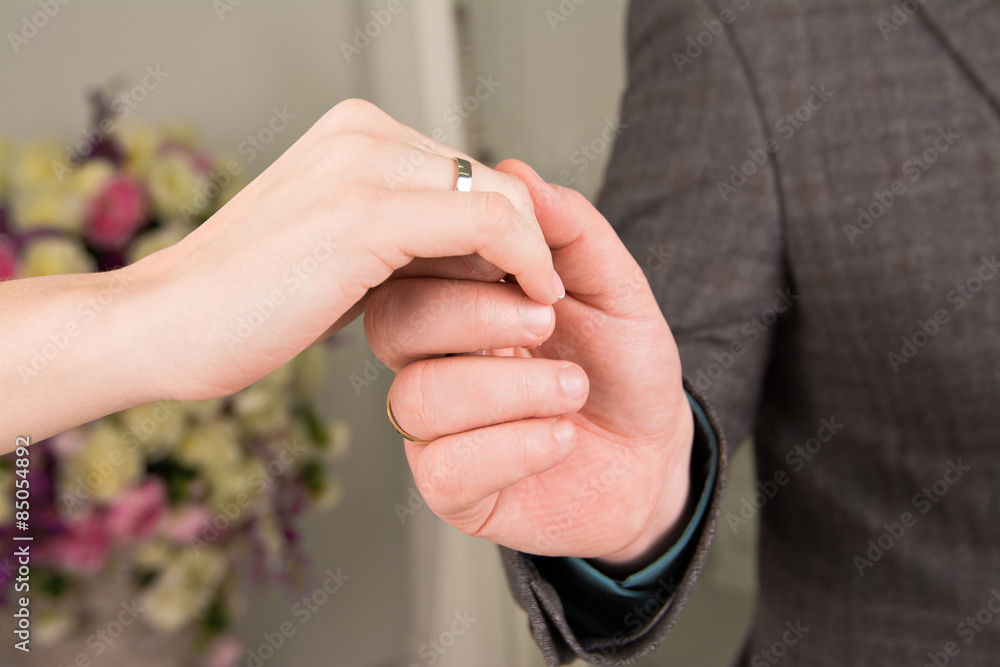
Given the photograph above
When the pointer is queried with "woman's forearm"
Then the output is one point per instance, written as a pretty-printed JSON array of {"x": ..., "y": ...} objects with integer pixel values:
[{"x": 73, "y": 351}]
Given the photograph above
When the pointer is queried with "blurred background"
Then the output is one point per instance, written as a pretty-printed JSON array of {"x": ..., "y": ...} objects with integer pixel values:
[{"x": 537, "y": 80}]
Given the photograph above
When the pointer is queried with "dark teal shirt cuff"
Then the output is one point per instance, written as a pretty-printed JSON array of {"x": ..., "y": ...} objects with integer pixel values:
[{"x": 597, "y": 605}]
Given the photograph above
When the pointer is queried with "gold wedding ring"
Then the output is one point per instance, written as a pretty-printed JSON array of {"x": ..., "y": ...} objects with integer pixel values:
[{"x": 395, "y": 424}]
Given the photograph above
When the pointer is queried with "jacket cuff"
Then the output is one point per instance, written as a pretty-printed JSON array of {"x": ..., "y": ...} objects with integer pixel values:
[{"x": 576, "y": 611}]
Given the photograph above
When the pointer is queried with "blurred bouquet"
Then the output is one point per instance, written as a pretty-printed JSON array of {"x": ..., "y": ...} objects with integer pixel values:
[{"x": 172, "y": 503}]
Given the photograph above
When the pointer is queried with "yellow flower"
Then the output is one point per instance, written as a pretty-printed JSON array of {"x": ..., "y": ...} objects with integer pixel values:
[
  {"x": 183, "y": 590},
  {"x": 204, "y": 410},
  {"x": 175, "y": 185},
  {"x": 182, "y": 131},
  {"x": 157, "y": 427},
  {"x": 330, "y": 495},
  {"x": 140, "y": 142},
  {"x": 158, "y": 239},
  {"x": 339, "y": 432},
  {"x": 89, "y": 180},
  {"x": 6, "y": 159},
  {"x": 38, "y": 164},
  {"x": 50, "y": 204},
  {"x": 54, "y": 256},
  {"x": 6, "y": 497},
  {"x": 212, "y": 447},
  {"x": 311, "y": 370},
  {"x": 240, "y": 486},
  {"x": 105, "y": 465},
  {"x": 53, "y": 624},
  {"x": 262, "y": 409},
  {"x": 155, "y": 554}
]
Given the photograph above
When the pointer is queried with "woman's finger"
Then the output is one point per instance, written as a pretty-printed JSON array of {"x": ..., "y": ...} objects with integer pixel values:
[
  {"x": 442, "y": 224},
  {"x": 416, "y": 318}
]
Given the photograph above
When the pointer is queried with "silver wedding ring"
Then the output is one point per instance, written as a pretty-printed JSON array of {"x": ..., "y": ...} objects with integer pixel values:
[{"x": 463, "y": 182}]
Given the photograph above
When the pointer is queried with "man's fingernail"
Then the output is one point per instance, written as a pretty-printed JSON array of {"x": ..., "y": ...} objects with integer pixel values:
[
  {"x": 557, "y": 285},
  {"x": 535, "y": 317},
  {"x": 480, "y": 265},
  {"x": 572, "y": 381},
  {"x": 564, "y": 431}
]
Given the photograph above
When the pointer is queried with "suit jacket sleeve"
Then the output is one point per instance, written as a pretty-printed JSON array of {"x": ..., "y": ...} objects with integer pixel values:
[{"x": 692, "y": 190}]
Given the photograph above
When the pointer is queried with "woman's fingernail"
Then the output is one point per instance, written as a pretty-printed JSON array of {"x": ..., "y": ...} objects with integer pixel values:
[
  {"x": 557, "y": 285},
  {"x": 572, "y": 381},
  {"x": 535, "y": 317},
  {"x": 564, "y": 431}
]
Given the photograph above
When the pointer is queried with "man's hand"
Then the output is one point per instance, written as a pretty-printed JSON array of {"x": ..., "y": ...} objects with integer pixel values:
[{"x": 572, "y": 435}]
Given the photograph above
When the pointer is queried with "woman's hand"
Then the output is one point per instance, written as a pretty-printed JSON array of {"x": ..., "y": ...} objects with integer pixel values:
[
  {"x": 354, "y": 200},
  {"x": 291, "y": 258}
]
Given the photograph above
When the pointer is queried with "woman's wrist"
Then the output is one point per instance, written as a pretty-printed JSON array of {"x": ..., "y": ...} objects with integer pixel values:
[{"x": 77, "y": 351}]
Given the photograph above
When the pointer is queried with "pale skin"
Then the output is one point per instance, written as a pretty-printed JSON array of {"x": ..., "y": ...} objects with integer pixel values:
[
  {"x": 574, "y": 435},
  {"x": 331, "y": 227}
]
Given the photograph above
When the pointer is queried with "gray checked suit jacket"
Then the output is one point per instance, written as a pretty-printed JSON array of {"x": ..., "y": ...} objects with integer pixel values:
[{"x": 824, "y": 179}]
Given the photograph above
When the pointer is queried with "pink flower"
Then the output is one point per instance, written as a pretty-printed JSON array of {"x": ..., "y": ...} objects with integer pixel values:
[
  {"x": 8, "y": 260},
  {"x": 116, "y": 213},
  {"x": 223, "y": 652},
  {"x": 138, "y": 511},
  {"x": 187, "y": 523},
  {"x": 84, "y": 545}
]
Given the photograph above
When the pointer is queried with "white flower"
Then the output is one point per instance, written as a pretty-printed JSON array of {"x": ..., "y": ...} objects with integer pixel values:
[
  {"x": 49, "y": 205},
  {"x": 174, "y": 185},
  {"x": 183, "y": 590},
  {"x": 105, "y": 465},
  {"x": 339, "y": 445},
  {"x": 140, "y": 142},
  {"x": 52, "y": 625},
  {"x": 206, "y": 410},
  {"x": 6, "y": 497},
  {"x": 158, "y": 239},
  {"x": 90, "y": 178},
  {"x": 212, "y": 447},
  {"x": 37, "y": 164},
  {"x": 156, "y": 427},
  {"x": 155, "y": 554}
]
